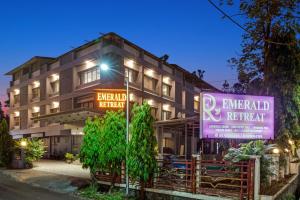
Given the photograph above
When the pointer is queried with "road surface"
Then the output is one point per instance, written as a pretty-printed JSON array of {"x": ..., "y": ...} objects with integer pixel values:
[{"x": 12, "y": 190}]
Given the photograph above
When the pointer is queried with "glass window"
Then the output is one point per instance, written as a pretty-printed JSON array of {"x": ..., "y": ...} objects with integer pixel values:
[
  {"x": 16, "y": 99},
  {"x": 166, "y": 115},
  {"x": 35, "y": 93},
  {"x": 34, "y": 115},
  {"x": 196, "y": 105},
  {"x": 133, "y": 75},
  {"x": 17, "y": 121},
  {"x": 153, "y": 112},
  {"x": 150, "y": 83},
  {"x": 55, "y": 86},
  {"x": 166, "y": 89},
  {"x": 90, "y": 75}
]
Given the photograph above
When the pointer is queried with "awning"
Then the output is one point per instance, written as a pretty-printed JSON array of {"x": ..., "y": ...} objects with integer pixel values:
[{"x": 80, "y": 114}]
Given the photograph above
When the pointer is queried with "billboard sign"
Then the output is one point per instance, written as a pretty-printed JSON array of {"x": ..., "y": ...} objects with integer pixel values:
[{"x": 236, "y": 116}]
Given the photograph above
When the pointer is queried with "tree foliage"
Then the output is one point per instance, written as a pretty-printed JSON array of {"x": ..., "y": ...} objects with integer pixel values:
[
  {"x": 6, "y": 144},
  {"x": 113, "y": 143},
  {"x": 104, "y": 145},
  {"x": 269, "y": 60},
  {"x": 142, "y": 145},
  {"x": 89, "y": 150}
]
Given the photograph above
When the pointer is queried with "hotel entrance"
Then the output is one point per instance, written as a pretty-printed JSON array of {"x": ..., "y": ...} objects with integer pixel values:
[{"x": 178, "y": 137}]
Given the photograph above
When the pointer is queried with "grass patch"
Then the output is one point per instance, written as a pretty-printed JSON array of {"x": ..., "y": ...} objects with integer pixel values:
[{"x": 92, "y": 192}]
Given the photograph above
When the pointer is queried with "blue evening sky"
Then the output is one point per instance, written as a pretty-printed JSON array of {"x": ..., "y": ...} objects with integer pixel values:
[{"x": 192, "y": 32}]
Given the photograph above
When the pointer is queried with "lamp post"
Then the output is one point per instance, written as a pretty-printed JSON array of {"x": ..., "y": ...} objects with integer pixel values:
[{"x": 105, "y": 67}]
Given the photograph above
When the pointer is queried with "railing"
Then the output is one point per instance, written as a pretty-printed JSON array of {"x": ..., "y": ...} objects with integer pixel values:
[
  {"x": 226, "y": 179},
  {"x": 175, "y": 175},
  {"x": 213, "y": 178}
]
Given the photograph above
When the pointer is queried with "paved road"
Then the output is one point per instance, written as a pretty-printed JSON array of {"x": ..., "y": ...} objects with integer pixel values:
[{"x": 12, "y": 190}]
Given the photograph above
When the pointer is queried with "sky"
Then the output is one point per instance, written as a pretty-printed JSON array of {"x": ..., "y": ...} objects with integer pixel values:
[{"x": 192, "y": 32}]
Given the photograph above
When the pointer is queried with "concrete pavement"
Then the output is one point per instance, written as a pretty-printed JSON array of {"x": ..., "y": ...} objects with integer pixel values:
[
  {"x": 11, "y": 189},
  {"x": 62, "y": 168}
]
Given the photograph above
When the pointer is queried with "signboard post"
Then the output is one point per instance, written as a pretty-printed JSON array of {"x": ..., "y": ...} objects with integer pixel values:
[{"x": 236, "y": 116}]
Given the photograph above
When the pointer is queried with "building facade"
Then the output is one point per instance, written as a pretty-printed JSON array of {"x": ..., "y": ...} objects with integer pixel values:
[{"x": 50, "y": 98}]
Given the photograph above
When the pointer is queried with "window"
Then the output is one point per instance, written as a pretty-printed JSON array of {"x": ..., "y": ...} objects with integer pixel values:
[
  {"x": 150, "y": 83},
  {"x": 25, "y": 70},
  {"x": 35, "y": 93},
  {"x": 88, "y": 104},
  {"x": 166, "y": 89},
  {"x": 55, "y": 87},
  {"x": 16, "y": 76},
  {"x": 133, "y": 75},
  {"x": 166, "y": 115},
  {"x": 90, "y": 75},
  {"x": 16, "y": 98},
  {"x": 35, "y": 115},
  {"x": 54, "y": 110},
  {"x": 153, "y": 112},
  {"x": 17, "y": 121},
  {"x": 196, "y": 104}
]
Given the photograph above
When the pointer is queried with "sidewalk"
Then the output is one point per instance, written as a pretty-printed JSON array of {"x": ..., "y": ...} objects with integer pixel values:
[{"x": 56, "y": 176}]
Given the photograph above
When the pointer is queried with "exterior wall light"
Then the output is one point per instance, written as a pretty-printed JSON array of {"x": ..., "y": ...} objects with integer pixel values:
[
  {"x": 89, "y": 64},
  {"x": 129, "y": 63},
  {"x": 166, "y": 106},
  {"x": 55, "y": 104},
  {"x": 286, "y": 150},
  {"x": 23, "y": 143},
  {"x": 276, "y": 151},
  {"x": 36, "y": 84},
  {"x": 36, "y": 109},
  {"x": 55, "y": 77},
  {"x": 17, "y": 113},
  {"x": 16, "y": 91}
]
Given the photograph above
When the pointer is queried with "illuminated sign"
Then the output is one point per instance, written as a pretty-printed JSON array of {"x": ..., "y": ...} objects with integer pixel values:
[
  {"x": 237, "y": 116},
  {"x": 111, "y": 98}
]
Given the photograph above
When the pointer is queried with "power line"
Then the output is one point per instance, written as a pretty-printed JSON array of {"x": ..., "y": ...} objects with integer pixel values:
[{"x": 240, "y": 26}]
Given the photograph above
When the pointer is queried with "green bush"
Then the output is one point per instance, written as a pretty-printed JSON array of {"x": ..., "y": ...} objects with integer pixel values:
[
  {"x": 6, "y": 145},
  {"x": 92, "y": 193},
  {"x": 34, "y": 150},
  {"x": 70, "y": 157}
]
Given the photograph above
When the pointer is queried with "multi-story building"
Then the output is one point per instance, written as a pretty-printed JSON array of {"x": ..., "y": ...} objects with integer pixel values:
[{"x": 50, "y": 98}]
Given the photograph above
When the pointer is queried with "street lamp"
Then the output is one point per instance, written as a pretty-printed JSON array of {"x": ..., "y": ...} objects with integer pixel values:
[{"x": 105, "y": 67}]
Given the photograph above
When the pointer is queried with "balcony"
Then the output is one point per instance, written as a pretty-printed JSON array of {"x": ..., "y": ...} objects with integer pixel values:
[
  {"x": 36, "y": 73},
  {"x": 35, "y": 99}
]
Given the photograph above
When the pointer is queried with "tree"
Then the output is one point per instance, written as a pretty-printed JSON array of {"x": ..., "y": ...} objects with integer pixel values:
[
  {"x": 269, "y": 60},
  {"x": 112, "y": 149},
  {"x": 6, "y": 144},
  {"x": 142, "y": 145},
  {"x": 262, "y": 19},
  {"x": 89, "y": 150},
  {"x": 285, "y": 79},
  {"x": 226, "y": 87}
]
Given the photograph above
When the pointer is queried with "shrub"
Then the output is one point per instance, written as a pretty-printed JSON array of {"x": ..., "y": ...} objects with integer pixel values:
[
  {"x": 34, "y": 150},
  {"x": 6, "y": 144},
  {"x": 70, "y": 157}
]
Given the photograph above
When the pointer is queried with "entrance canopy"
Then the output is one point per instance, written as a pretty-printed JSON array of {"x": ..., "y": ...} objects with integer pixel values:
[{"x": 79, "y": 114}]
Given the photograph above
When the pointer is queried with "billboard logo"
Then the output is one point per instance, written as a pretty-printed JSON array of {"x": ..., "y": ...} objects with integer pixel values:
[{"x": 210, "y": 110}]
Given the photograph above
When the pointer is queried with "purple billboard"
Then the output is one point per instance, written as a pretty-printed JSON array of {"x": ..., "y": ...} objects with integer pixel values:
[{"x": 236, "y": 116}]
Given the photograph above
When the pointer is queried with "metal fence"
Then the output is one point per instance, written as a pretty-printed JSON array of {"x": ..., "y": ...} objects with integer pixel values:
[{"x": 214, "y": 178}]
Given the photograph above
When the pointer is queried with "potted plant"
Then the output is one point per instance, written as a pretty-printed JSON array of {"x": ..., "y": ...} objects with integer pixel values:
[{"x": 69, "y": 158}]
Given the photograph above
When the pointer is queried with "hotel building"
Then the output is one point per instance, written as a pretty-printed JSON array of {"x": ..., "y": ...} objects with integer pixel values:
[{"x": 50, "y": 98}]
